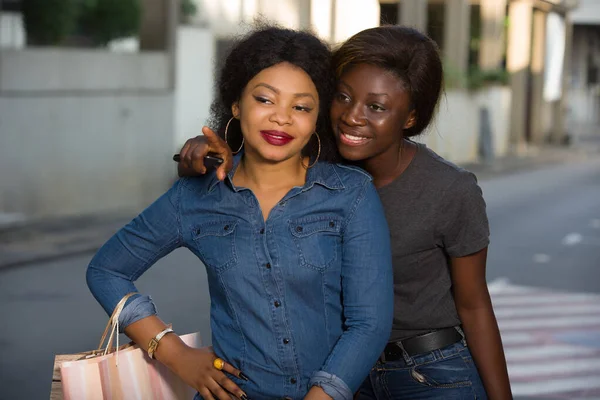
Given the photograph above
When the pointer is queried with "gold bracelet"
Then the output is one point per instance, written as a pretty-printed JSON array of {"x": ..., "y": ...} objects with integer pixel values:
[{"x": 153, "y": 345}]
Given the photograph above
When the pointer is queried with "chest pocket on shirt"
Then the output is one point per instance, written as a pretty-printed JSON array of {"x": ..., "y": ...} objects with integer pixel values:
[
  {"x": 215, "y": 241},
  {"x": 318, "y": 241}
]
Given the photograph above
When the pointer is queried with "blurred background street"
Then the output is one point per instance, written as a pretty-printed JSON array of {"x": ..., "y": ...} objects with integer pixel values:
[{"x": 96, "y": 96}]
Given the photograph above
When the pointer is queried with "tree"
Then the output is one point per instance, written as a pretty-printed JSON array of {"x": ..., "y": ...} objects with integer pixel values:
[
  {"x": 48, "y": 22},
  {"x": 106, "y": 20}
]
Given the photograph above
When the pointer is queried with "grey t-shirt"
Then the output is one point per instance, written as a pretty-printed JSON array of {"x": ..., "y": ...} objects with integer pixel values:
[{"x": 435, "y": 210}]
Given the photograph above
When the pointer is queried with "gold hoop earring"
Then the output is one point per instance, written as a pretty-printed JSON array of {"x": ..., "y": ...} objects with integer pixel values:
[
  {"x": 226, "y": 129},
  {"x": 318, "y": 154}
]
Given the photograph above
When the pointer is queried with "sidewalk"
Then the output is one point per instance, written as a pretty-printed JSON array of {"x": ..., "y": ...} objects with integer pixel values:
[
  {"x": 34, "y": 242},
  {"x": 46, "y": 240},
  {"x": 536, "y": 158}
]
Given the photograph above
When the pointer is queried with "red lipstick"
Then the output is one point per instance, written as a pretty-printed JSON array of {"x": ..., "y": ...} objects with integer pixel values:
[{"x": 276, "y": 138}]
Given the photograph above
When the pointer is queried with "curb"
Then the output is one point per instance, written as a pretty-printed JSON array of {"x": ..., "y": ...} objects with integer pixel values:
[
  {"x": 535, "y": 159},
  {"x": 49, "y": 240}
]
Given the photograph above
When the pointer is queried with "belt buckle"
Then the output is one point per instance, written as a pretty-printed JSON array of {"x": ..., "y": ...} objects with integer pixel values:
[{"x": 392, "y": 352}]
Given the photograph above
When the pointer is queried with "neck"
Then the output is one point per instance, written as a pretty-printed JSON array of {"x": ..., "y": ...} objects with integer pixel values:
[
  {"x": 255, "y": 172},
  {"x": 389, "y": 165}
]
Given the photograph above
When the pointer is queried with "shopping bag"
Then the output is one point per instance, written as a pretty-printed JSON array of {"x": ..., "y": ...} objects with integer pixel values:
[{"x": 121, "y": 373}]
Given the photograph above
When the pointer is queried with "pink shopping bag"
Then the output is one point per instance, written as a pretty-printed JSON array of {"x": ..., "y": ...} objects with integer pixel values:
[{"x": 123, "y": 373}]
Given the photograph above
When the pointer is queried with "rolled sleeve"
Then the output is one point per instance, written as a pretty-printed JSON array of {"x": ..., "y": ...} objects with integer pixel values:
[
  {"x": 139, "y": 308},
  {"x": 332, "y": 385}
]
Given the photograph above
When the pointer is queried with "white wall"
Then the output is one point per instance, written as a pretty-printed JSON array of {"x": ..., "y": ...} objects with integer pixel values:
[
  {"x": 498, "y": 100},
  {"x": 51, "y": 69},
  {"x": 12, "y": 33},
  {"x": 588, "y": 12},
  {"x": 83, "y": 132},
  {"x": 225, "y": 17},
  {"x": 353, "y": 16},
  {"x": 320, "y": 18},
  {"x": 194, "y": 82},
  {"x": 454, "y": 134}
]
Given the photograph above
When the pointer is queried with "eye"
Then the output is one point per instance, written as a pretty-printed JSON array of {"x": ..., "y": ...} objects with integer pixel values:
[
  {"x": 263, "y": 100},
  {"x": 342, "y": 97},
  {"x": 376, "y": 107},
  {"x": 303, "y": 108}
]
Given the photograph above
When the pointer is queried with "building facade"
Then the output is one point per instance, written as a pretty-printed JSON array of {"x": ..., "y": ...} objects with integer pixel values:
[{"x": 583, "y": 97}]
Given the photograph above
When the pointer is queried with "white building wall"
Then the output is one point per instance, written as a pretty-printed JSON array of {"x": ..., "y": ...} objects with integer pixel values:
[
  {"x": 83, "y": 132},
  {"x": 230, "y": 17},
  {"x": 12, "y": 33},
  {"x": 587, "y": 12},
  {"x": 455, "y": 132},
  {"x": 321, "y": 18},
  {"x": 353, "y": 16},
  {"x": 81, "y": 70},
  {"x": 227, "y": 17},
  {"x": 194, "y": 82}
]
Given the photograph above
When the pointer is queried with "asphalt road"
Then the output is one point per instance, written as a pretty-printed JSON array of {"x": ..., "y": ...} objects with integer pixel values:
[
  {"x": 545, "y": 227},
  {"x": 545, "y": 232}
]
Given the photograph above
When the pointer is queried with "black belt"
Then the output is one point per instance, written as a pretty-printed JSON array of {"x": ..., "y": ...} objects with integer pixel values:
[{"x": 421, "y": 344}]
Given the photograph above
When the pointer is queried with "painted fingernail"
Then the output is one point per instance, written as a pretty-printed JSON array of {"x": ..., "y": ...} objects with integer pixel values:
[
  {"x": 244, "y": 397},
  {"x": 242, "y": 376}
]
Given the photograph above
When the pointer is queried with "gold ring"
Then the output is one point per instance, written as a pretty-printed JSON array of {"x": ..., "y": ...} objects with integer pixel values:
[{"x": 218, "y": 363}]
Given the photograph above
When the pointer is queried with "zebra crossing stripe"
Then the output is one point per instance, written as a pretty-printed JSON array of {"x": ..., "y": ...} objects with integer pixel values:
[{"x": 551, "y": 341}]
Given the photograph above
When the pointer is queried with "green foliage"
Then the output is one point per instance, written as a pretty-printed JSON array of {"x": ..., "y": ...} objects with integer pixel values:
[
  {"x": 187, "y": 10},
  {"x": 106, "y": 20},
  {"x": 475, "y": 79},
  {"x": 479, "y": 78},
  {"x": 48, "y": 22},
  {"x": 453, "y": 77}
]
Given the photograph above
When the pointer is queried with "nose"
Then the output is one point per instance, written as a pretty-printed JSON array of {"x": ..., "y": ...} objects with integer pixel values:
[
  {"x": 353, "y": 115},
  {"x": 281, "y": 116}
]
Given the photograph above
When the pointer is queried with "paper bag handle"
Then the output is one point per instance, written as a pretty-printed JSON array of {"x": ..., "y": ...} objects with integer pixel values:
[{"x": 113, "y": 323}]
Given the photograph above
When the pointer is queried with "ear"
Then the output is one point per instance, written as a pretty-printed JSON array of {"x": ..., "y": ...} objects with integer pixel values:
[
  {"x": 235, "y": 110},
  {"x": 411, "y": 120}
]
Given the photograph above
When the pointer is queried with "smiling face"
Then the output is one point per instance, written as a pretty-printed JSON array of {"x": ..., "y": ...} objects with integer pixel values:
[
  {"x": 370, "y": 112},
  {"x": 278, "y": 113}
]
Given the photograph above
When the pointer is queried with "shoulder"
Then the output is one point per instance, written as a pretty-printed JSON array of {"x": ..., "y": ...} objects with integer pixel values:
[
  {"x": 197, "y": 184},
  {"x": 457, "y": 194},
  {"x": 442, "y": 174},
  {"x": 352, "y": 176},
  {"x": 347, "y": 182}
]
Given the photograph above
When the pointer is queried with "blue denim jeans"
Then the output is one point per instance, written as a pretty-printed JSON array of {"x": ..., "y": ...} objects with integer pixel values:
[{"x": 446, "y": 373}]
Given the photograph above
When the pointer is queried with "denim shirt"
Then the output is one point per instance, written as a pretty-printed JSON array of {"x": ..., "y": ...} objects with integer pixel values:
[{"x": 304, "y": 298}]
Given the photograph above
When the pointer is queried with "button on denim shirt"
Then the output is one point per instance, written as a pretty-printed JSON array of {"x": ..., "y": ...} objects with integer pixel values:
[{"x": 302, "y": 299}]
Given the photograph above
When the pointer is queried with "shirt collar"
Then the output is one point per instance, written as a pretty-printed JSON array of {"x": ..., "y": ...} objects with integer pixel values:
[{"x": 322, "y": 173}]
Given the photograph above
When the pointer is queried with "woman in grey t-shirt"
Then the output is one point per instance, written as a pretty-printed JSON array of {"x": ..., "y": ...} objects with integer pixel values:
[{"x": 390, "y": 81}]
